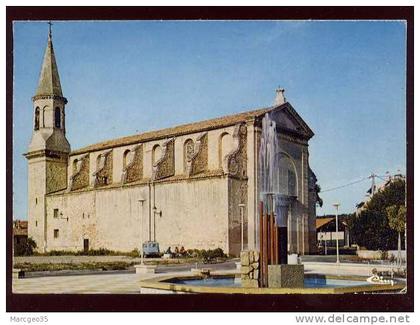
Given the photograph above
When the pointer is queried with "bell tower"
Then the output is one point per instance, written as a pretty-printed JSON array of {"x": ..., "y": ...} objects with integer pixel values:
[{"x": 49, "y": 149}]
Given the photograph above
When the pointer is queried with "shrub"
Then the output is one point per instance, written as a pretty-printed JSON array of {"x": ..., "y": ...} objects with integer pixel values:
[
  {"x": 218, "y": 252},
  {"x": 98, "y": 252},
  {"x": 105, "y": 266},
  {"x": 194, "y": 253},
  {"x": 59, "y": 253},
  {"x": 91, "y": 252},
  {"x": 207, "y": 255},
  {"x": 134, "y": 253}
]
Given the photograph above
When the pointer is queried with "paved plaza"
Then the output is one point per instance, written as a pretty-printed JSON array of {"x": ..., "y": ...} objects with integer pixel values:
[
  {"x": 128, "y": 283},
  {"x": 116, "y": 283}
]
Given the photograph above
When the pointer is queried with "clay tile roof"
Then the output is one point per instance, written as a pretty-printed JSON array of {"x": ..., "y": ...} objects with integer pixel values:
[
  {"x": 322, "y": 222},
  {"x": 176, "y": 131}
]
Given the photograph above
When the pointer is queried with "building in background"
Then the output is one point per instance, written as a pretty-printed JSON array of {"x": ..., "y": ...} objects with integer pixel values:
[
  {"x": 20, "y": 232},
  {"x": 327, "y": 234}
]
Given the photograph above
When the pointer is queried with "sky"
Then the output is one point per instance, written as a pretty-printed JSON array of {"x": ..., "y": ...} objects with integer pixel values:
[{"x": 346, "y": 79}]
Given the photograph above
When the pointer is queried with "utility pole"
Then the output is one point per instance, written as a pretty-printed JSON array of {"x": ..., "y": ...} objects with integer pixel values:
[
  {"x": 325, "y": 245},
  {"x": 155, "y": 212},
  {"x": 336, "y": 205},
  {"x": 373, "y": 186},
  {"x": 141, "y": 201}
]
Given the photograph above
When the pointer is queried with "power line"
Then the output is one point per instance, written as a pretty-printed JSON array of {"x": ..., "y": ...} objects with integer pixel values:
[
  {"x": 345, "y": 185},
  {"x": 381, "y": 177},
  {"x": 372, "y": 176}
]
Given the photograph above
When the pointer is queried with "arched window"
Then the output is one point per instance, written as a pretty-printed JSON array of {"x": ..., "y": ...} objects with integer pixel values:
[
  {"x": 225, "y": 146},
  {"x": 98, "y": 162},
  {"x": 188, "y": 152},
  {"x": 36, "y": 125},
  {"x": 75, "y": 166},
  {"x": 42, "y": 117},
  {"x": 101, "y": 177},
  {"x": 156, "y": 153},
  {"x": 57, "y": 117},
  {"x": 287, "y": 180},
  {"x": 125, "y": 158}
]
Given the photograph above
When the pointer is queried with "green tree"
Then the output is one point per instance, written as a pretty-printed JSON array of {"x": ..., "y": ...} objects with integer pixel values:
[
  {"x": 371, "y": 228},
  {"x": 25, "y": 248},
  {"x": 318, "y": 198},
  {"x": 396, "y": 219}
]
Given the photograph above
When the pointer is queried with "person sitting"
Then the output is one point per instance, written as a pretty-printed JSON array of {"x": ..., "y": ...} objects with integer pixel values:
[
  {"x": 176, "y": 251},
  {"x": 182, "y": 251},
  {"x": 168, "y": 251}
]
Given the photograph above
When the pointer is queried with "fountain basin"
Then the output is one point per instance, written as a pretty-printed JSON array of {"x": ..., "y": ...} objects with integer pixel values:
[{"x": 231, "y": 284}]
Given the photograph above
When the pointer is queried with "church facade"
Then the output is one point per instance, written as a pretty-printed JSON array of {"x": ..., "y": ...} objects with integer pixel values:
[{"x": 194, "y": 185}]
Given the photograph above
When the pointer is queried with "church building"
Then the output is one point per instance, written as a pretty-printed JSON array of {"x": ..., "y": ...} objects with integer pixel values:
[{"x": 194, "y": 185}]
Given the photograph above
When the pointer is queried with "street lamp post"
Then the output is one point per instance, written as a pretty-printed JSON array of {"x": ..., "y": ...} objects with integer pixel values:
[
  {"x": 141, "y": 201},
  {"x": 325, "y": 246},
  {"x": 241, "y": 208},
  {"x": 336, "y": 205}
]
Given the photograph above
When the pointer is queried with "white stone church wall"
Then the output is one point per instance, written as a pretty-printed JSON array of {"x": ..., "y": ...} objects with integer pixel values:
[
  {"x": 194, "y": 215},
  {"x": 76, "y": 220}
]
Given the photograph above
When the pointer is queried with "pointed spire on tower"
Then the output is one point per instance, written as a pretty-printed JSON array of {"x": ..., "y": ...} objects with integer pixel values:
[{"x": 49, "y": 80}]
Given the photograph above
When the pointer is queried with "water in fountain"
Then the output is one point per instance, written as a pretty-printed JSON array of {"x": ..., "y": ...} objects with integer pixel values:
[
  {"x": 269, "y": 180},
  {"x": 277, "y": 191},
  {"x": 268, "y": 158},
  {"x": 272, "y": 190}
]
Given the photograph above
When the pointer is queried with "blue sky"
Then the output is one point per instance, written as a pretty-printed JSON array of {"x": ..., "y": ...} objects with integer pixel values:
[{"x": 346, "y": 80}]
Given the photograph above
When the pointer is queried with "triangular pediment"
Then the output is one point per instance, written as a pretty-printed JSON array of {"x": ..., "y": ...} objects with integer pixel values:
[{"x": 289, "y": 120}]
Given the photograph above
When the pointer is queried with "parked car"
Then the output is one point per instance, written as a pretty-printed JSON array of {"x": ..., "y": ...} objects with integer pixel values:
[{"x": 151, "y": 249}]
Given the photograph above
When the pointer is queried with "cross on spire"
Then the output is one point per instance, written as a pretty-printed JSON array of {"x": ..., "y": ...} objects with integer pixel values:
[{"x": 49, "y": 28}]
